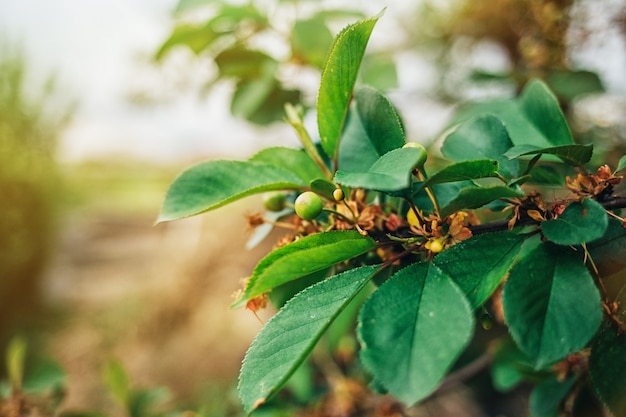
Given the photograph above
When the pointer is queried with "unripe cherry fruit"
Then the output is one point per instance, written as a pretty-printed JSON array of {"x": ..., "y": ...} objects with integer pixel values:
[
  {"x": 308, "y": 205},
  {"x": 274, "y": 201},
  {"x": 434, "y": 245},
  {"x": 338, "y": 194},
  {"x": 423, "y": 154}
]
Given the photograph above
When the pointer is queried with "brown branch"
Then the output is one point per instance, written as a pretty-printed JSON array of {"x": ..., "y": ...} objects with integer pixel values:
[
  {"x": 463, "y": 374},
  {"x": 495, "y": 226},
  {"x": 614, "y": 203},
  {"x": 500, "y": 225}
]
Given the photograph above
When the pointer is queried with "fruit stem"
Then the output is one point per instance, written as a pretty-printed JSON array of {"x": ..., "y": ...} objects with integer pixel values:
[
  {"x": 354, "y": 216},
  {"x": 294, "y": 118},
  {"x": 336, "y": 213}
]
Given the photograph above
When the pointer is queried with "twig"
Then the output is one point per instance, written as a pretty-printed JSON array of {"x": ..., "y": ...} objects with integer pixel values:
[
  {"x": 463, "y": 374},
  {"x": 500, "y": 225},
  {"x": 495, "y": 226}
]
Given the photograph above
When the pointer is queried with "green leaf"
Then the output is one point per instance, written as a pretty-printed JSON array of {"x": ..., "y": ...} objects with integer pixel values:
[
  {"x": 481, "y": 138},
  {"x": 250, "y": 95},
  {"x": 323, "y": 187},
  {"x": 302, "y": 257},
  {"x": 283, "y": 293},
  {"x": 301, "y": 385},
  {"x": 310, "y": 41},
  {"x": 521, "y": 131},
  {"x": 262, "y": 100},
  {"x": 296, "y": 161},
  {"x": 607, "y": 252},
  {"x": 144, "y": 400},
  {"x": 339, "y": 338},
  {"x": 241, "y": 62},
  {"x": 445, "y": 193},
  {"x": 15, "y": 359},
  {"x": 461, "y": 171},
  {"x": 356, "y": 151},
  {"x": 546, "y": 397},
  {"x": 195, "y": 37},
  {"x": 621, "y": 164},
  {"x": 117, "y": 382},
  {"x": 340, "y": 13},
  {"x": 379, "y": 71},
  {"x": 577, "y": 155},
  {"x": 213, "y": 184},
  {"x": 542, "y": 109},
  {"x": 184, "y": 5},
  {"x": 548, "y": 175},
  {"x": 508, "y": 366},
  {"x": 479, "y": 264},
  {"x": 569, "y": 84},
  {"x": 234, "y": 17},
  {"x": 45, "y": 377},
  {"x": 476, "y": 197},
  {"x": 606, "y": 366},
  {"x": 534, "y": 118},
  {"x": 551, "y": 304},
  {"x": 288, "y": 337},
  {"x": 380, "y": 120},
  {"x": 412, "y": 329},
  {"x": 391, "y": 172},
  {"x": 579, "y": 223},
  {"x": 338, "y": 79}
]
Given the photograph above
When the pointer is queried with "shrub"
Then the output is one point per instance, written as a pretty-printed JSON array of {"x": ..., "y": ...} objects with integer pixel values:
[
  {"x": 513, "y": 229},
  {"x": 28, "y": 182}
]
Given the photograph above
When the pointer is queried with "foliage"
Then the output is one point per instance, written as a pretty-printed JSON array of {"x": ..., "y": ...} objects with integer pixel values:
[
  {"x": 232, "y": 37},
  {"x": 38, "y": 388},
  {"x": 535, "y": 36},
  {"x": 482, "y": 239},
  {"x": 31, "y": 117},
  {"x": 136, "y": 402}
]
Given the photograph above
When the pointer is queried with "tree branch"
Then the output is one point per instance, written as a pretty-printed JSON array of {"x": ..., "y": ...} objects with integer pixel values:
[
  {"x": 496, "y": 226},
  {"x": 463, "y": 374}
]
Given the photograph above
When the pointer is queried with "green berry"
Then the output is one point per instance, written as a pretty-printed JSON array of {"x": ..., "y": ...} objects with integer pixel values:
[
  {"x": 486, "y": 321},
  {"x": 423, "y": 154},
  {"x": 308, "y": 205},
  {"x": 274, "y": 201}
]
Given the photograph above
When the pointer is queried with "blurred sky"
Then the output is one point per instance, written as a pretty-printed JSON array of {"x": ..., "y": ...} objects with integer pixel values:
[{"x": 99, "y": 51}]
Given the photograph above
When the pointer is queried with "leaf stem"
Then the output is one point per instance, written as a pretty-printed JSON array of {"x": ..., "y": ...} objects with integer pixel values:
[{"x": 294, "y": 118}]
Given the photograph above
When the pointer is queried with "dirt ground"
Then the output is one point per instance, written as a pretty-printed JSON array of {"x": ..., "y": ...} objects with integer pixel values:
[{"x": 154, "y": 297}]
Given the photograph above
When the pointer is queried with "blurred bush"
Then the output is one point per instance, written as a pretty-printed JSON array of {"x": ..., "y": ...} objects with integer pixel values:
[
  {"x": 28, "y": 184},
  {"x": 264, "y": 50}
]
